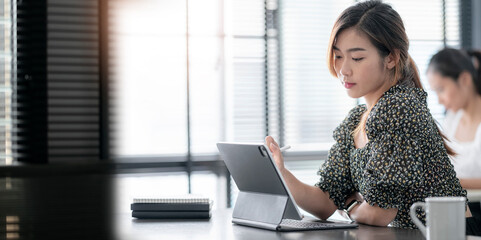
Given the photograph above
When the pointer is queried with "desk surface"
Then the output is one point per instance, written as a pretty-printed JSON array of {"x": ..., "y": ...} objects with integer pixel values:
[
  {"x": 67, "y": 205},
  {"x": 220, "y": 227}
]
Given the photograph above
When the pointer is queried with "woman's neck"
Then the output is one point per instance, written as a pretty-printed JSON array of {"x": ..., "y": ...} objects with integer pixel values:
[
  {"x": 472, "y": 110},
  {"x": 374, "y": 96}
]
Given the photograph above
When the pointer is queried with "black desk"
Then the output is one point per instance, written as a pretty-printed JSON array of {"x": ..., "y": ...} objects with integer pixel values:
[
  {"x": 220, "y": 227},
  {"x": 77, "y": 202}
]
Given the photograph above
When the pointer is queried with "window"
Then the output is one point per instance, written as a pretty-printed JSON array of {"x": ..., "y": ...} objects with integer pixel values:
[
  {"x": 188, "y": 74},
  {"x": 5, "y": 83},
  {"x": 199, "y": 67},
  {"x": 148, "y": 72}
]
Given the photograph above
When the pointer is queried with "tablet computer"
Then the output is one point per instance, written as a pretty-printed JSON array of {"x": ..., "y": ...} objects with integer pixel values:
[{"x": 264, "y": 199}]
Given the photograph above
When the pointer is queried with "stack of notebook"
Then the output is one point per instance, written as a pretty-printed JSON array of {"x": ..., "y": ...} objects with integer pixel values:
[{"x": 172, "y": 208}]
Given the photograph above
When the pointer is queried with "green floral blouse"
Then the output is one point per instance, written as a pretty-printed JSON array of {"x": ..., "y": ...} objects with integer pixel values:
[{"x": 403, "y": 162}]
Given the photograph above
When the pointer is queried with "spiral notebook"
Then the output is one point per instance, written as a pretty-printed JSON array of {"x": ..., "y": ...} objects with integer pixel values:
[{"x": 187, "y": 199}]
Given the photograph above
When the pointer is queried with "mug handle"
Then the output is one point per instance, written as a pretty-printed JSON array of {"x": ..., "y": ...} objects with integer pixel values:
[{"x": 415, "y": 218}]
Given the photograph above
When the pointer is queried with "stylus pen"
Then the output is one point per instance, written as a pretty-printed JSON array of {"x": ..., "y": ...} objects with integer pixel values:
[{"x": 283, "y": 149}]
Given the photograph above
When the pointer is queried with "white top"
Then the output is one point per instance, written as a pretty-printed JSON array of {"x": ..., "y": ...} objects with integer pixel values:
[{"x": 467, "y": 163}]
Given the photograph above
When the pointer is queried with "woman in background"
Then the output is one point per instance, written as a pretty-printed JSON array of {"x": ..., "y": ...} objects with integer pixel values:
[
  {"x": 388, "y": 153},
  {"x": 456, "y": 78}
]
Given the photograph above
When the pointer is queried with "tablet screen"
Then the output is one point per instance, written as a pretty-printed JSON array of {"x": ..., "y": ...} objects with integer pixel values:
[{"x": 252, "y": 168}]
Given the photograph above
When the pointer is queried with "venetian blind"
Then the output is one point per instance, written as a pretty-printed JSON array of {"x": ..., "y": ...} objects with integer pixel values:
[
  {"x": 186, "y": 75},
  {"x": 57, "y": 92},
  {"x": 73, "y": 80},
  {"x": 246, "y": 88},
  {"x": 5, "y": 82},
  {"x": 147, "y": 61}
]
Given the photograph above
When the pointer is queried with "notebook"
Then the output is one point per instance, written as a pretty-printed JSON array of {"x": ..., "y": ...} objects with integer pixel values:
[
  {"x": 179, "y": 207},
  {"x": 264, "y": 201},
  {"x": 174, "y": 199},
  {"x": 171, "y": 215},
  {"x": 171, "y": 206}
]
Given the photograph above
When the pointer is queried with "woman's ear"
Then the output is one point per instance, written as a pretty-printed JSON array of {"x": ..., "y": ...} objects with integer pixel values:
[
  {"x": 392, "y": 59},
  {"x": 465, "y": 80}
]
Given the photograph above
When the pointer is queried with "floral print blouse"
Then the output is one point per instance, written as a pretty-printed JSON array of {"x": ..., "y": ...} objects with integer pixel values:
[{"x": 403, "y": 162}]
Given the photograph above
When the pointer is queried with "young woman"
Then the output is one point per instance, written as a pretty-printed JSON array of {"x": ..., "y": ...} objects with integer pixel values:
[
  {"x": 456, "y": 78},
  {"x": 388, "y": 153}
]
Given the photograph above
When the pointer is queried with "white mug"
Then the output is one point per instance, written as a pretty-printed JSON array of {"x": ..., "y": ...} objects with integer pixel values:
[{"x": 445, "y": 218}]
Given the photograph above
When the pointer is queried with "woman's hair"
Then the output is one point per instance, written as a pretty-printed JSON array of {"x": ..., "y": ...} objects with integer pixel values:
[
  {"x": 451, "y": 63},
  {"x": 385, "y": 30}
]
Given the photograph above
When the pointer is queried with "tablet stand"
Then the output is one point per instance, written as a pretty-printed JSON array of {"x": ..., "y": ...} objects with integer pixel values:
[{"x": 265, "y": 208}]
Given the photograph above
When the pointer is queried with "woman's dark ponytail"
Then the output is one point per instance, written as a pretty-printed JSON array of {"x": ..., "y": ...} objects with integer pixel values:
[{"x": 476, "y": 60}]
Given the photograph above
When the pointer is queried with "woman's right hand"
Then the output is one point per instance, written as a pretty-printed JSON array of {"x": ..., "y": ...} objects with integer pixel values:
[{"x": 276, "y": 152}]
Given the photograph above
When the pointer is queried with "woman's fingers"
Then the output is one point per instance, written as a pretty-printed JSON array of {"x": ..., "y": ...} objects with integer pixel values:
[
  {"x": 271, "y": 143},
  {"x": 275, "y": 150}
]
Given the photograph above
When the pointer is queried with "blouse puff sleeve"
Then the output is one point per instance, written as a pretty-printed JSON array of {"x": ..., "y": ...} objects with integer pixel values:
[
  {"x": 394, "y": 169},
  {"x": 335, "y": 174}
]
